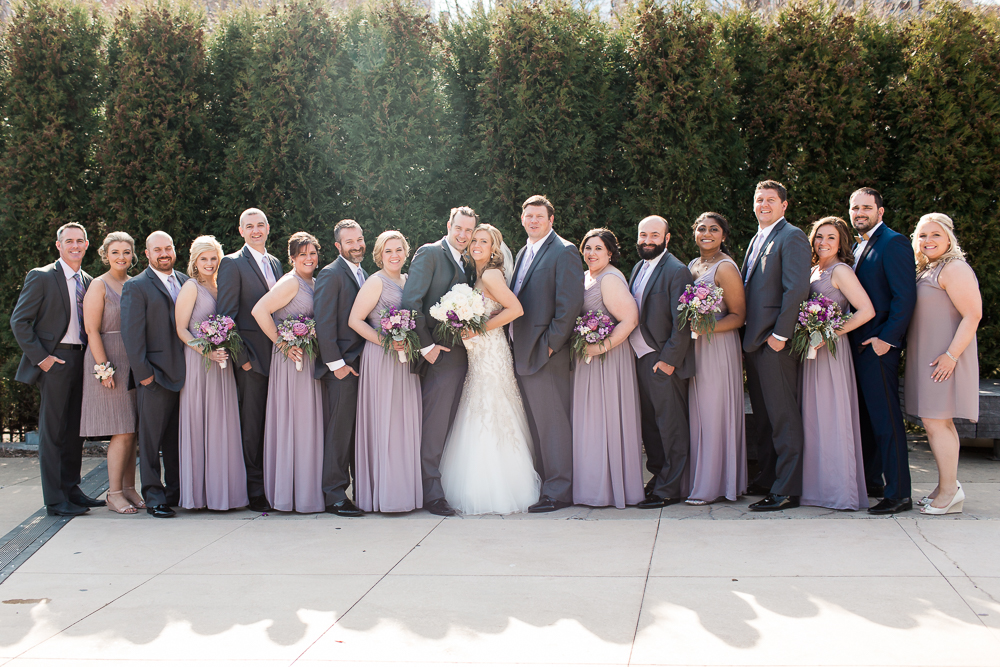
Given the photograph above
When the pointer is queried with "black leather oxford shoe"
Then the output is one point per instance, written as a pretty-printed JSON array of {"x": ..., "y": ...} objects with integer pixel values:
[
  {"x": 65, "y": 508},
  {"x": 83, "y": 500},
  {"x": 653, "y": 501},
  {"x": 773, "y": 503},
  {"x": 891, "y": 506},
  {"x": 160, "y": 511},
  {"x": 440, "y": 507},
  {"x": 344, "y": 508},
  {"x": 547, "y": 504}
]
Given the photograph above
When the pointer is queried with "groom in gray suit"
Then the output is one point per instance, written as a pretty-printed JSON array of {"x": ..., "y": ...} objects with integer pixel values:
[
  {"x": 549, "y": 284},
  {"x": 156, "y": 357},
  {"x": 776, "y": 277},
  {"x": 435, "y": 269}
]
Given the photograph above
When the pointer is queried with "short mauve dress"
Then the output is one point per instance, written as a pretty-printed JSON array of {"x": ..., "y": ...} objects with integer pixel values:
[
  {"x": 387, "y": 474},
  {"x": 293, "y": 427},
  {"x": 607, "y": 457},
  {"x": 717, "y": 463},
  {"x": 833, "y": 471},
  {"x": 108, "y": 411},
  {"x": 209, "y": 444},
  {"x": 935, "y": 321}
]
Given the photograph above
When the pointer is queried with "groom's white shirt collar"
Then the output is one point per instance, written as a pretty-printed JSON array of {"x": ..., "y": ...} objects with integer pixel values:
[
  {"x": 535, "y": 245},
  {"x": 164, "y": 277},
  {"x": 454, "y": 253}
]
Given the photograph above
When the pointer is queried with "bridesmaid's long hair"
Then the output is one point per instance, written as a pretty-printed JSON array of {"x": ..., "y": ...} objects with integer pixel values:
[
  {"x": 199, "y": 247},
  {"x": 844, "y": 253}
]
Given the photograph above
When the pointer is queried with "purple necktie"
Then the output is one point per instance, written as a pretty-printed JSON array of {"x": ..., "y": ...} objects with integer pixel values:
[{"x": 80, "y": 293}]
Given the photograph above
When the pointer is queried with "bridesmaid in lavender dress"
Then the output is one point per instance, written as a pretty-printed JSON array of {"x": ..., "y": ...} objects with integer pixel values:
[
  {"x": 293, "y": 427},
  {"x": 833, "y": 473},
  {"x": 717, "y": 464},
  {"x": 387, "y": 474},
  {"x": 210, "y": 448},
  {"x": 607, "y": 461}
]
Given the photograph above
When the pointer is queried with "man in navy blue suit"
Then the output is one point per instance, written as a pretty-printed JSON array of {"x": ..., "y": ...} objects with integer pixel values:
[{"x": 883, "y": 262}]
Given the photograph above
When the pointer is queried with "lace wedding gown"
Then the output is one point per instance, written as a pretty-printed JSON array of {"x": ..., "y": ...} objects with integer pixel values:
[{"x": 486, "y": 466}]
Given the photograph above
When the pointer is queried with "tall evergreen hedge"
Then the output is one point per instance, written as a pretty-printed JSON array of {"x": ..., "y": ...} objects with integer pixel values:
[{"x": 386, "y": 115}]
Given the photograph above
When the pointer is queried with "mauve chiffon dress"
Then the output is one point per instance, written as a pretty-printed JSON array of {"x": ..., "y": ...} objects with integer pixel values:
[
  {"x": 209, "y": 443},
  {"x": 293, "y": 428},
  {"x": 607, "y": 457},
  {"x": 833, "y": 471},
  {"x": 717, "y": 462},
  {"x": 108, "y": 411},
  {"x": 935, "y": 321},
  {"x": 387, "y": 474}
]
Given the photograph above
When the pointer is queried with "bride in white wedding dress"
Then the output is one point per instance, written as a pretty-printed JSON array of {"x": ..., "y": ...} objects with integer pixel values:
[{"x": 486, "y": 467}]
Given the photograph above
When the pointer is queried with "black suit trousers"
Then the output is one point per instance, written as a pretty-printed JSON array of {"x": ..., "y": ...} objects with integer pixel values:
[
  {"x": 159, "y": 410},
  {"x": 666, "y": 429},
  {"x": 340, "y": 409},
  {"x": 772, "y": 381},
  {"x": 60, "y": 448},
  {"x": 251, "y": 393}
]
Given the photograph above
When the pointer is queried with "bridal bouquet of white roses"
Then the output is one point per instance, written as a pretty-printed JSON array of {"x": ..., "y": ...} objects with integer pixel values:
[{"x": 461, "y": 309}]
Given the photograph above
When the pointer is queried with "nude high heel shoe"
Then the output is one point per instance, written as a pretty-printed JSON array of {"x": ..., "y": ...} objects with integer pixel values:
[{"x": 954, "y": 507}]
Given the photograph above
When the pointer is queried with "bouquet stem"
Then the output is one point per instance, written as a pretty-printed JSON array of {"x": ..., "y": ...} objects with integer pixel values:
[
  {"x": 402, "y": 356},
  {"x": 298, "y": 365},
  {"x": 811, "y": 354},
  {"x": 588, "y": 359},
  {"x": 222, "y": 364},
  {"x": 694, "y": 335}
]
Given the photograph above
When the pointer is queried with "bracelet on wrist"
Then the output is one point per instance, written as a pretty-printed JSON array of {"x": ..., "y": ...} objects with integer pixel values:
[{"x": 951, "y": 356}]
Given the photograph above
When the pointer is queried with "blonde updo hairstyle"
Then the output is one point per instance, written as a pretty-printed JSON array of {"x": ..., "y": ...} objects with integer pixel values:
[
  {"x": 199, "y": 247},
  {"x": 496, "y": 243},
  {"x": 384, "y": 238},
  {"x": 116, "y": 237},
  {"x": 954, "y": 250}
]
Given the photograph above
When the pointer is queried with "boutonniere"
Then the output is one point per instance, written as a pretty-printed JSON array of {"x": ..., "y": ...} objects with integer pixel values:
[{"x": 763, "y": 260}]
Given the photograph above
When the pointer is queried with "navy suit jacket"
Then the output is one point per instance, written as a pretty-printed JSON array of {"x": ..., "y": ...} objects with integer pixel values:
[{"x": 888, "y": 273}]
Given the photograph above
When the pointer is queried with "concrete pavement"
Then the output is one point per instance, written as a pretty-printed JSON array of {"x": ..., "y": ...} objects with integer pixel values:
[{"x": 712, "y": 585}]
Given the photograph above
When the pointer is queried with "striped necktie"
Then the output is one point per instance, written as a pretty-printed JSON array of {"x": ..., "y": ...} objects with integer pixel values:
[{"x": 80, "y": 293}]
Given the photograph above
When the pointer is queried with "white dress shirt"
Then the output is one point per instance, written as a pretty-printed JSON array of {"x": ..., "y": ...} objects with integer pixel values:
[
  {"x": 72, "y": 336},
  {"x": 761, "y": 242},
  {"x": 264, "y": 265},
  {"x": 864, "y": 244},
  {"x": 340, "y": 363},
  {"x": 458, "y": 260},
  {"x": 639, "y": 344}
]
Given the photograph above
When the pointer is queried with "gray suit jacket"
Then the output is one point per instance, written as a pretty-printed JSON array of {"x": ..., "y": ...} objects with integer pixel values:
[
  {"x": 433, "y": 271},
  {"x": 41, "y": 317},
  {"x": 778, "y": 284},
  {"x": 552, "y": 297},
  {"x": 659, "y": 309},
  {"x": 149, "y": 331},
  {"x": 241, "y": 286},
  {"x": 334, "y": 295}
]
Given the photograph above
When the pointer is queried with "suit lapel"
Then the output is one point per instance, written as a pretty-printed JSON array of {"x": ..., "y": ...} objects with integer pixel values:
[
  {"x": 59, "y": 279},
  {"x": 158, "y": 283},
  {"x": 451, "y": 259},
  {"x": 657, "y": 270},
  {"x": 256, "y": 269},
  {"x": 343, "y": 267},
  {"x": 871, "y": 242},
  {"x": 275, "y": 268},
  {"x": 538, "y": 255},
  {"x": 763, "y": 250}
]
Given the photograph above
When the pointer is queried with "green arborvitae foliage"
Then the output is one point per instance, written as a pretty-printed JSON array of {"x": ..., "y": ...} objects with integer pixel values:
[
  {"x": 286, "y": 110},
  {"x": 544, "y": 126},
  {"x": 52, "y": 74},
  {"x": 157, "y": 148},
  {"x": 680, "y": 141},
  {"x": 948, "y": 132},
  {"x": 817, "y": 105},
  {"x": 397, "y": 152}
]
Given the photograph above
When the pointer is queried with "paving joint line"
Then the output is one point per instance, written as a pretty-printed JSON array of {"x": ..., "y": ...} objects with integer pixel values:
[
  {"x": 365, "y": 594},
  {"x": 645, "y": 584}
]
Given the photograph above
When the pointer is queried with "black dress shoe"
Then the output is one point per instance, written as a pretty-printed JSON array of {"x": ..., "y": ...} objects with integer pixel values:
[
  {"x": 875, "y": 491},
  {"x": 259, "y": 504},
  {"x": 83, "y": 500},
  {"x": 891, "y": 506},
  {"x": 160, "y": 511},
  {"x": 65, "y": 508},
  {"x": 547, "y": 504},
  {"x": 654, "y": 501},
  {"x": 344, "y": 508},
  {"x": 757, "y": 490},
  {"x": 440, "y": 507},
  {"x": 773, "y": 503}
]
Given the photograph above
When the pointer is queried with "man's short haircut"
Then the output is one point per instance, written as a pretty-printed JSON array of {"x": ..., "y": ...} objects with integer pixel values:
[
  {"x": 462, "y": 210},
  {"x": 868, "y": 191},
  {"x": 71, "y": 225},
  {"x": 252, "y": 211},
  {"x": 773, "y": 185},
  {"x": 539, "y": 200},
  {"x": 344, "y": 224}
]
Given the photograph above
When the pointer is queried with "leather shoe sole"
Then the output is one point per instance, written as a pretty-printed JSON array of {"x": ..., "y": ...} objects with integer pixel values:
[
  {"x": 890, "y": 506},
  {"x": 344, "y": 508},
  {"x": 160, "y": 511}
]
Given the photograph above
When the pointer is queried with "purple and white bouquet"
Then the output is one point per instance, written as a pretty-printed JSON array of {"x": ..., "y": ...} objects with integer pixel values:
[
  {"x": 398, "y": 325},
  {"x": 218, "y": 333},
  {"x": 593, "y": 328},
  {"x": 104, "y": 371},
  {"x": 819, "y": 320},
  {"x": 462, "y": 309},
  {"x": 698, "y": 305},
  {"x": 298, "y": 331}
]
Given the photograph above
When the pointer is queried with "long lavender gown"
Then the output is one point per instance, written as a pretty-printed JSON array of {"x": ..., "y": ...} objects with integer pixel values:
[
  {"x": 833, "y": 473},
  {"x": 717, "y": 464},
  {"x": 293, "y": 429},
  {"x": 387, "y": 464},
  {"x": 607, "y": 461},
  {"x": 209, "y": 443}
]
